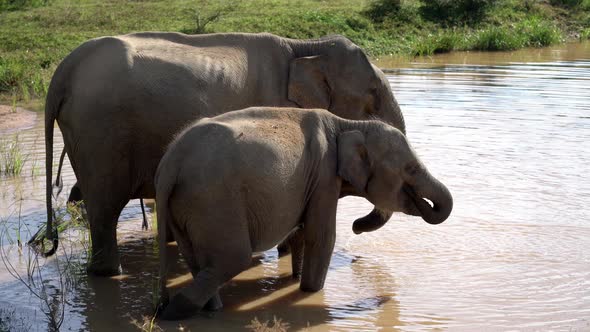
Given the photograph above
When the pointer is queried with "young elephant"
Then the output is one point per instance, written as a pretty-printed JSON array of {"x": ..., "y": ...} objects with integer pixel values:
[{"x": 240, "y": 182}]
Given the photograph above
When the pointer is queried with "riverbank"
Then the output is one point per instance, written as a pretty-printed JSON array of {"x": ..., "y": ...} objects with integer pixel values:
[
  {"x": 35, "y": 37},
  {"x": 13, "y": 118}
]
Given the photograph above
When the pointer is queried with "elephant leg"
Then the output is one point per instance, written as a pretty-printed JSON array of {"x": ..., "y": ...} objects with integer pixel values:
[
  {"x": 283, "y": 248},
  {"x": 103, "y": 208},
  {"x": 214, "y": 304},
  {"x": 75, "y": 194},
  {"x": 296, "y": 244},
  {"x": 205, "y": 289},
  {"x": 169, "y": 235},
  {"x": 103, "y": 232},
  {"x": 222, "y": 253},
  {"x": 319, "y": 238}
]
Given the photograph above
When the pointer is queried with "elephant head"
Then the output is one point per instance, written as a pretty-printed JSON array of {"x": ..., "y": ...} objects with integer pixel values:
[
  {"x": 380, "y": 164},
  {"x": 335, "y": 74}
]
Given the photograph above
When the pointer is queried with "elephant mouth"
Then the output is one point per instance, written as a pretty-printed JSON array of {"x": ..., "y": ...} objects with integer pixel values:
[
  {"x": 433, "y": 213},
  {"x": 418, "y": 203}
]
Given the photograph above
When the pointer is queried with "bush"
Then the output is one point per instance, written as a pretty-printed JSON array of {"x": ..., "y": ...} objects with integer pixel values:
[
  {"x": 20, "y": 4},
  {"x": 380, "y": 9},
  {"x": 532, "y": 32},
  {"x": 539, "y": 33},
  {"x": 566, "y": 3},
  {"x": 442, "y": 42},
  {"x": 456, "y": 11},
  {"x": 497, "y": 39},
  {"x": 11, "y": 74}
]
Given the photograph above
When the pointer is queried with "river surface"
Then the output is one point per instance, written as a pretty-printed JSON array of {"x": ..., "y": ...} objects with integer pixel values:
[{"x": 508, "y": 133}]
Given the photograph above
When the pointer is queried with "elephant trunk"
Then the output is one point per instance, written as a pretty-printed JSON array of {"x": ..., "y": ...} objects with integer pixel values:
[
  {"x": 371, "y": 222},
  {"x": 427, "y": 187}
]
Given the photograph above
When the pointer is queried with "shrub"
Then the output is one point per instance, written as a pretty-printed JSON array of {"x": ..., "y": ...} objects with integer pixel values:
[
  {"x": 11, "y": 74},
  {"x": 440, "y": 43},
  {"x": 497, "y": 39},
  {"x": 12, "y": 159},
  {"x": 566, "y": 3},
  {"x": 380, "y": 9},
  {"x": 532, "y": 32},
  {"x": 456, "y": 11},
  {"x": 539, "y": 33},
  {"x": 17, "y": 76},
  {"x": 21, "y": 4}
]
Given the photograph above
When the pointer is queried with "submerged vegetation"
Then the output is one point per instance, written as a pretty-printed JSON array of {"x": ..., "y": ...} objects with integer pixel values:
[
  {"x": 51, "y": 284},
  {"x": 29, "y": 54}
]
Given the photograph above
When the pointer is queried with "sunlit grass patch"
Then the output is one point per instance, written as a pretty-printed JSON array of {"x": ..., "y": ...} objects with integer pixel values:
[
  {"x": 532, "y": 32},
  {"x": 497, "y": 39},
  {"x": 147, "y": 324},
  {"x": 277, "y": 325},
  {"x": 538, "y": 33}
]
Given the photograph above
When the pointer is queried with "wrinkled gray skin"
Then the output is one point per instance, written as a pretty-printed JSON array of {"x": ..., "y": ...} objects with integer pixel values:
[
  {"x": 120, "y": 100},
  {"x": 242, "y": 181}
]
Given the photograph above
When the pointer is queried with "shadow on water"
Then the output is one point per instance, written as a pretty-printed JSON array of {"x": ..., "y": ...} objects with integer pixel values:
[{"x": 111, "y": 303}]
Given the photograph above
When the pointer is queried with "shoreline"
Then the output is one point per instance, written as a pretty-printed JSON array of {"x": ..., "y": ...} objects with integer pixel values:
[
  {"x": 15, "y": 118},
  {"x": 391, "y": 65},
  {"x": 382, "y": 28}
]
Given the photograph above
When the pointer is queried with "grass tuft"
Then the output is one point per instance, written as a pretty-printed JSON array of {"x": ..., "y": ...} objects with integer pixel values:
[
  {"x": 497, "y": 39},
  {"x": 538, "y": 33},
  {"x": 277, "y": 325},
  {"x": 12, "y": 159}
]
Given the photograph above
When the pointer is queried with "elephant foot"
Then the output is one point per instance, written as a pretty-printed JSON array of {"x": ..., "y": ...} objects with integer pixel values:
[
  {"x": 310, "y": 287},
  {"x": 180, "y": 307},
  {"x": 283, "y": 249},
  {"x": 104, "y": 270},
  {"x": 214, "y": 304}
]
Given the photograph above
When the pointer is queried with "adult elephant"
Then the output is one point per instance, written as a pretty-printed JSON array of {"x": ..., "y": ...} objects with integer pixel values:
[{"x": 120, "y": 100}]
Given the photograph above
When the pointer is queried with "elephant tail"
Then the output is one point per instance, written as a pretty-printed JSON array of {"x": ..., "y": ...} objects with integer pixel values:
[
  {"x": 58, "y": 182},
  {"x": 53, "y": 103},
  {"x": 165, "y": 182}
]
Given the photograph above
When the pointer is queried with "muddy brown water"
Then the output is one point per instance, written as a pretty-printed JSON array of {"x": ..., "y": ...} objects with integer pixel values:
[{"x": 509, "y": 133}]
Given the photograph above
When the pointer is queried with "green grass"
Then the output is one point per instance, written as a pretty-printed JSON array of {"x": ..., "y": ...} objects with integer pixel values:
[
  {"x": 35, "y": 35},
  {"x": 12, "y": 158},
  {"x": 6, "y": 5}
]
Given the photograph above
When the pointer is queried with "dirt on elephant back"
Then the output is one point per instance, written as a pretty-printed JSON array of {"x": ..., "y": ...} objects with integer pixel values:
[{"x": 15, "y": 118}]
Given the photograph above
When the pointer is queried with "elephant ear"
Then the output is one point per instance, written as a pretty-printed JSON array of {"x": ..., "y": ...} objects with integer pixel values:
[
  {"x": 308, "y": 85},
  {"x": 353, "y": 161}
]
